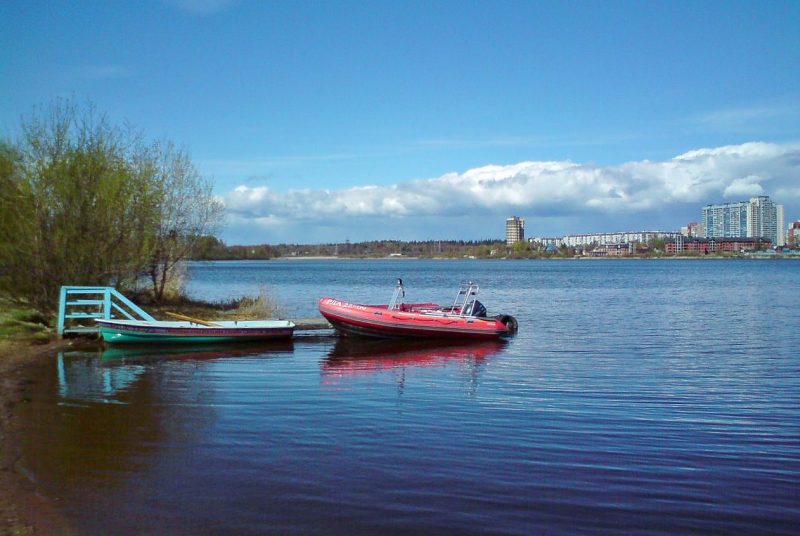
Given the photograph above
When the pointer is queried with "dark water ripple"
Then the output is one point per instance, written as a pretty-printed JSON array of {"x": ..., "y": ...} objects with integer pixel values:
[{"x": 639, "y": 397}]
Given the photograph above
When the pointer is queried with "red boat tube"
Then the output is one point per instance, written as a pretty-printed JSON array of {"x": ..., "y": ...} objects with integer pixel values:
[{"x": 418, "y": 319}]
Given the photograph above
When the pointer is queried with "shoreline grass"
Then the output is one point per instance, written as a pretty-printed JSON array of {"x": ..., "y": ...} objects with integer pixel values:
[{"x": 22, "y": 325}]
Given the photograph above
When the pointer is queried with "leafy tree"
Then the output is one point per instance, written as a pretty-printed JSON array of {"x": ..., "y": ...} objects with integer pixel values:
[
  {"x": 185, "y": 208},
  {"x": 85, "y": 202},
  {"x": 208, "y": 248},
  {"x": 12, "y": 215},
  {"x": 74, "y": 212},
  {"x": 657, "y": 244}
]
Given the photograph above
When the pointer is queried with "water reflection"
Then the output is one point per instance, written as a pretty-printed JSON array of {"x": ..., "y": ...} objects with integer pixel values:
[
  {"x": 105, "y": 424},
  {"x": 351, "y": 357},
  {"x": 123, "y": 355},
  {"x": 102, "y": 375},
  {"x": 98, "y": 417},
  {"x": 81, "y": 377}
]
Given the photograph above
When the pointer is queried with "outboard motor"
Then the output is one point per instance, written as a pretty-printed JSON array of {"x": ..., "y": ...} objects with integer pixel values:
[
  {"x": 509, "y": 322},
  {"x": 476, "y": 308}
]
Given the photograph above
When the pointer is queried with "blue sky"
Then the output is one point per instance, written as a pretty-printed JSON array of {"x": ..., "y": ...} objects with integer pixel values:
[{"x": 326, "y": 121}]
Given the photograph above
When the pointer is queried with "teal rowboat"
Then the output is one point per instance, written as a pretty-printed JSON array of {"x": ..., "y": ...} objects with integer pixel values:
[{"x": 169, "y": 332}]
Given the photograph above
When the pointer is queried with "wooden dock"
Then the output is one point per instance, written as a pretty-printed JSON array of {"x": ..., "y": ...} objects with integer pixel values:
[
  {"x": 79, "y": 305},
  {"x": 315, "y": 323}
]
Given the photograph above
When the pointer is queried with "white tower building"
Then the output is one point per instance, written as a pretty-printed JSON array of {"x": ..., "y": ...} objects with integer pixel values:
[{"x": 515, "y": 230}]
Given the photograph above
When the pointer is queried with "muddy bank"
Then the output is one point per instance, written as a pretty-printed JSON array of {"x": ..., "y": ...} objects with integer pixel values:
[{"x": 23, "y": 509}]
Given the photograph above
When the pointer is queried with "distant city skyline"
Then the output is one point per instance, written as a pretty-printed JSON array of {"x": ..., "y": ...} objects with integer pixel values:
[
  {"x": 414, "y": 121},
  {"x": 567, "y": 197}
]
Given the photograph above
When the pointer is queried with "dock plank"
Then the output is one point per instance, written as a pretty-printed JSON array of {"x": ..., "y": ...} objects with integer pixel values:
[{"x": 311, "y": 323}]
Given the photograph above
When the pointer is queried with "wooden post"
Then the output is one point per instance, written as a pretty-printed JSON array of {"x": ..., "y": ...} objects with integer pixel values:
[{"x": 62, "y": 306}]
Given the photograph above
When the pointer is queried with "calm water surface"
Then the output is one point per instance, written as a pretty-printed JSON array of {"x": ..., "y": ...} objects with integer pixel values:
[{"x": 638, "y": 396}]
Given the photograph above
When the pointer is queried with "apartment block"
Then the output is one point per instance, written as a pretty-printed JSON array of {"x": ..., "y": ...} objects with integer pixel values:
[
  {"x": 515, "y": 230},
  {"x": 758, "y": 218},
  {"x": 726, "y": 220},
  {"x": 626, "y": 237},
  {"x": 713, "y": 245}
]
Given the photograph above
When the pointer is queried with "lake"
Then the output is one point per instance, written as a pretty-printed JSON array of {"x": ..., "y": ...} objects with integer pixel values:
[{"x": 639, "y": 396}]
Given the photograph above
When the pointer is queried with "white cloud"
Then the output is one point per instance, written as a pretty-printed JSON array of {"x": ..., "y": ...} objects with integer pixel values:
[
  {"x": 543, "y": 188},
  {"x": 744, "y": 187}
]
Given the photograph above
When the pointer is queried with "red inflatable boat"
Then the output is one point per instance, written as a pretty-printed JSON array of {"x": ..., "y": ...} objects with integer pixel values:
[{"x": 465, "y": 319}]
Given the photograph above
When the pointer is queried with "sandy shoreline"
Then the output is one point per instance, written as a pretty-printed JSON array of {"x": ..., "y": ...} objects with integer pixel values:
[{"x": 23, "y": 508}]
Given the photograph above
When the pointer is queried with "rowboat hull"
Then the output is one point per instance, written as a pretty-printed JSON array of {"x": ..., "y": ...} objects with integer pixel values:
[
  {"x": 411, "y": 322},
  {"x": 144, "y": 332}
]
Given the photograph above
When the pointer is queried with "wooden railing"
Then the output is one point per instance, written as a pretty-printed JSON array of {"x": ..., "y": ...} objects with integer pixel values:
[{"x": 79, "y": 306}]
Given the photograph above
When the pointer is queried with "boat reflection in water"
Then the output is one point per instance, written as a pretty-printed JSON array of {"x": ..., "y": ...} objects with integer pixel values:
[
  {"x": 102, "y": 376},
  {"x": 352, "y": 357},
  {"x": 115, "y": 355},
  {"x": 98, "y": 421}
]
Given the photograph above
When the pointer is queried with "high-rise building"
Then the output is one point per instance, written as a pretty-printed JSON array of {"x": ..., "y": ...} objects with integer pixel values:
[
  {"x": 765, "y": 220},
  {"x": 758, "y": 218},
  {"x": 515, "y": 230},
  {"x": 726, "y": 220}
]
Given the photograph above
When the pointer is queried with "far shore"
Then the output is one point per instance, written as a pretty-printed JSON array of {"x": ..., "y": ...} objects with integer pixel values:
[
  {"x": 335, "y": 258},
  {"x": 574, "y": 258}
]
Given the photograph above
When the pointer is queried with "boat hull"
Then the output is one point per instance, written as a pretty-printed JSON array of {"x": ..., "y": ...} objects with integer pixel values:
[
  {"x": 380, "y": 322},
  {"x": 140, "y": 332}
]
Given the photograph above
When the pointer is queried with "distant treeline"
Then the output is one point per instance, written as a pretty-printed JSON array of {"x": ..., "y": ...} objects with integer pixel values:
[{"x": 211, "y": 248}]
